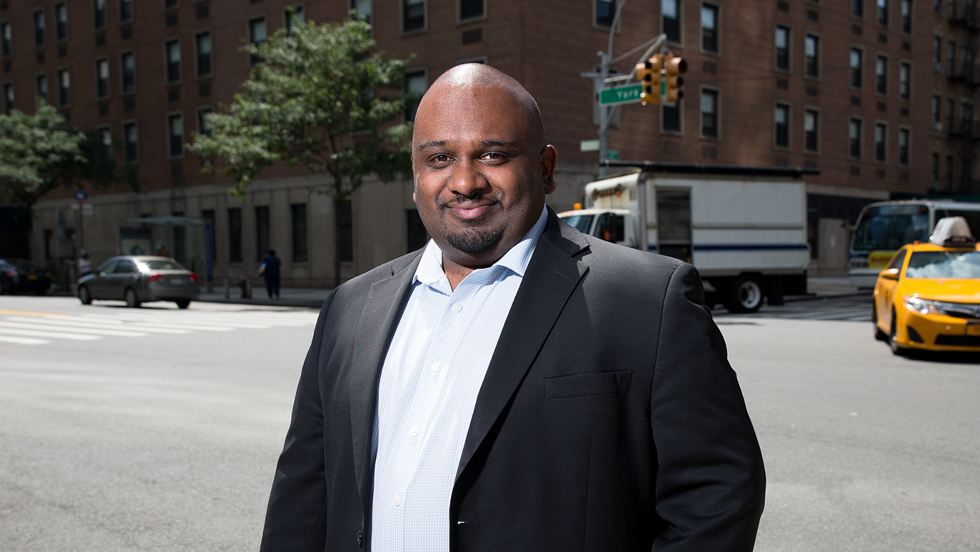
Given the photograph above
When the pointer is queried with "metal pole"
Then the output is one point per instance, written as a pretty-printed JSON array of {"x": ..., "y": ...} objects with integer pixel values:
[
  {"x": 605, "y": 111},
  {"x": 641, "y": 198}
]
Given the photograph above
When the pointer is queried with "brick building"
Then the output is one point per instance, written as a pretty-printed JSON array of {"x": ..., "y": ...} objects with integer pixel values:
[{"x": 841, "y": 87}]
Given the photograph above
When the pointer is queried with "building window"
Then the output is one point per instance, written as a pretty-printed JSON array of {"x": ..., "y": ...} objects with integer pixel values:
[
  {"x": 415, "y": 87},
  {"x": 812, "y": 56},
  {"x": 950, "y": 114},
  {"x": 293, "y": 16},
  {"x": 125, "y": 10},
  {"x": 951, "y": 58},
  {"x": 202, "y": 44},
  {"x": 881, "y": 74},
  {"x": 949, "y": 172},
  {"x": 127, "y": 62},
  {"x": 64, "y": 87},
  {"x": 905, "y": 80},
  {"x": 937, "y": 53},
  {"x": 362, "y": 10},
  {"x": 857, "y": 68},
  {"x": 709, "y": 113},
  {"x": 131, "y": 149},
  {"x": 882, "y": 12},
  {"x": 781, "y": 126},
  {"x": 782, "y": 48},
  {"x": 172, "y": 50},
  {"x": 262, "y": 241},
  {"x": 8, "y": 98},
  {"x": 605, "y": 11},
  {"x": 345, "y": 242},
  {"x": 301, "y": 250},
  {"x": 907, "y": 16},
  {"x": 966, "y": 170},
  {"x": 671, "y": 117},
  {"x": 881, "y": 142},
  {"x": 41, "y": 86},
  {"x": 203, "y": 123},
  {"x": 811, "y": 136},
  {"x": 937, "y": 122},
  {"x": 472, "y": 9},
  {"x": 6, "y": 39},
  {"x": 709, "y": 28},
  {"x": 235, "y": 235},
  {"x": 101, "y": 78},
  {"x": 61, "y": 22},
  {"x": 904, "y": 136},
  {"x": 39, "y": 29},
  {"x": 671, "y": 10},
  {"x": 175, "y": 135},
  {"x": 256, "y": 35},
  {"x": 966, "y": 119},
  {"x": 99, "y": 14},
  {"x": 934, "y": 171},
  {"x": 857, "y": 8},
  {"x": 413, "y": 15},
  {"x": 169, "y": 4},
  {"x": 105, "y": 136},
  {"x": 854, "y": 138}
]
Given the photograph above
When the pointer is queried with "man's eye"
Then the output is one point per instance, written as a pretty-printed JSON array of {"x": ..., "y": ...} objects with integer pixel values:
[
  {"x": 494, "y": 156},
  {"x": 440, "y": 159}
]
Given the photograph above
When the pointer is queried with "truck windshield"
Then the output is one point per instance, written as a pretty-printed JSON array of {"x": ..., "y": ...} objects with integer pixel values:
[
  {"x": 889, "y": 227},
  {"x": 582, "y": 223},
  {"x": 944, "y": 264}
]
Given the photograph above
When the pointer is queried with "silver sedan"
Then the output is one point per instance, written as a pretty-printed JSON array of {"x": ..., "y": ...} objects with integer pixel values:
[{"x": 140, "y": 279}]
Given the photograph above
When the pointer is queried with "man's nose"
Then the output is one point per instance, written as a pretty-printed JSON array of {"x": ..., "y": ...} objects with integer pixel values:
[{"x": 468, "y": 179}]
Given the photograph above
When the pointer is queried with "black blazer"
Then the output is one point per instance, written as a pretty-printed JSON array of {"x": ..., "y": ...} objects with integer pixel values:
[{"x": 609, "y": 418}]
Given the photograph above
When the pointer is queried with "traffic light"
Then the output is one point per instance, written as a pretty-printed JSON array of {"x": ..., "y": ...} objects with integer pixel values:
[
  {"x": 648, "y": 73},
  {"x": 673, "y": 67}
]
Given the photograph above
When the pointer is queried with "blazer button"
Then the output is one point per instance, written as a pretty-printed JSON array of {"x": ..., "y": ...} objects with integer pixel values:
[{"x": 360, "y": 539}]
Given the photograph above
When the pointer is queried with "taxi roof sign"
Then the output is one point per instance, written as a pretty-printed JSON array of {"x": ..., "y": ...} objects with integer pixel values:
[{"x": 952, "y": 232}]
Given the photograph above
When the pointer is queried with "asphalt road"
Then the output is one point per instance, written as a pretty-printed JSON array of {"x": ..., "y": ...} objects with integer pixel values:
[{"x": 167, "y": 441}]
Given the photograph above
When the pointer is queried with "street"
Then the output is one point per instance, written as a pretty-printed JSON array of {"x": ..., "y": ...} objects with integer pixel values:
[{"x": 156, "y": 429}]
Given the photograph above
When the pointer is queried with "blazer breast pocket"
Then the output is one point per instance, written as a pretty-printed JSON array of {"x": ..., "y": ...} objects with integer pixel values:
[{"x": 587, "y": 384}]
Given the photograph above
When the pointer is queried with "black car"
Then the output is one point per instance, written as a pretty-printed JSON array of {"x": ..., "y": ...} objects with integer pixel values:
[{"x": 20, "y": 275}]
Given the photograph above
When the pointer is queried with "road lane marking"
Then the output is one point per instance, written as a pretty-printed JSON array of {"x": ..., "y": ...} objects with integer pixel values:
[
  {"x": 23, "y": 340},
  {"x": 59, "y": 335},
  {"x": 29, "y": 313},
  {"x": 88, "y": 331},
  {"x": 74, "y": 322}
]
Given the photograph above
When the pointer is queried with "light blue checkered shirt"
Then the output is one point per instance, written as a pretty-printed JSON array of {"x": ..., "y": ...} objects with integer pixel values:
[{"x": 431, "y": 377}]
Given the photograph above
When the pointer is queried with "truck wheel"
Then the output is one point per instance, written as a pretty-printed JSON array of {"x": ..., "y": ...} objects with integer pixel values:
[{"x": 745, "y": 294}]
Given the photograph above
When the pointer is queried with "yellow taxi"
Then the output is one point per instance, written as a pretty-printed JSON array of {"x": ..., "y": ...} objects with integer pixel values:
[{"x": 928, "y": 297}]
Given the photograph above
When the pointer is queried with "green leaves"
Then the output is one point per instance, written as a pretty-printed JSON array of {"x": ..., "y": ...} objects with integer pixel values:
[{"x": 321, "y": 98}]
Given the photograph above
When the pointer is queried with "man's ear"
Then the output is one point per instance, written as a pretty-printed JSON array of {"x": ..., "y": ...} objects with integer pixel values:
[{"x": 549, "y": 162}]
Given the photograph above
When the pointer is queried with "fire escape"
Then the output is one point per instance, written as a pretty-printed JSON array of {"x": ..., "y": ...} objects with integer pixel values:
[{"x": 963, "y": 131}]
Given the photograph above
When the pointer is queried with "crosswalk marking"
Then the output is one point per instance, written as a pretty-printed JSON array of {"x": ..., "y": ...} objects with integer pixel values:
[
  {"x": 839, "y": 309},
  {"x": 35, "y": 328}
]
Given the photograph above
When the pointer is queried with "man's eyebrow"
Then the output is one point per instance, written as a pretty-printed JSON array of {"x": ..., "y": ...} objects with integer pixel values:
[
  {"x": 431, "y": 144},
  {"x": 500, "y": 143}
]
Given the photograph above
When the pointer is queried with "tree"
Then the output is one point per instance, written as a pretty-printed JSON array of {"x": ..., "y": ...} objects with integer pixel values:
[
  {"x": 319, "y": 97},
  {"x": 40, "y": 152}
]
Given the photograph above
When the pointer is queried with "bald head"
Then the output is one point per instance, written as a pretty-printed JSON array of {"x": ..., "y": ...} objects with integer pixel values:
[{"x": 474, "y": 79}]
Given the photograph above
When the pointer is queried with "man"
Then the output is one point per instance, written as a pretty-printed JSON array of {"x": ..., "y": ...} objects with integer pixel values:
[
  {"x": 516, "y": 385},
  {"x": 269, "y": 269}
]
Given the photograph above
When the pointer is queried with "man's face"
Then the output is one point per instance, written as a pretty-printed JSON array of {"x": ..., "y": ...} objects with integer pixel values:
[{"x": 481, "y": 172}]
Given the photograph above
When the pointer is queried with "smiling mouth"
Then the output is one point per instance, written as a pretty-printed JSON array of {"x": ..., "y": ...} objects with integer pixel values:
[{"x": 468, "y": 209}]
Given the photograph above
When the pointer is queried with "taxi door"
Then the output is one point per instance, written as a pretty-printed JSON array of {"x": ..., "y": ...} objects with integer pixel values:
[{"x": 886, "y": 288}]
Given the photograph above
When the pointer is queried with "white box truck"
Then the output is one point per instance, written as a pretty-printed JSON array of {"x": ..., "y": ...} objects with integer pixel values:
[{"x": 744, "y": 228}]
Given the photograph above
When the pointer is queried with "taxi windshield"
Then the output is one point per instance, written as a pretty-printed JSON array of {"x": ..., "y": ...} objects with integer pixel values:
[
  {"x": 888, "y": 227},
  {"x": 944, "y": 264}
]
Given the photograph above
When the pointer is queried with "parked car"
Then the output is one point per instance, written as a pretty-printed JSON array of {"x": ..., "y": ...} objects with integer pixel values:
[
  {"x": 20, "y": 275},
  {"x": 140, "y": 279},
  {"x": 928, "y": 297}
]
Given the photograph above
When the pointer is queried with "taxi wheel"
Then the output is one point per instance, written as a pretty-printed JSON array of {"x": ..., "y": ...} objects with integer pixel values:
[
  {"x": 892, "y": 338},
  {"x": 84, "y": 296},
  {"x": 879, "y": 335}
]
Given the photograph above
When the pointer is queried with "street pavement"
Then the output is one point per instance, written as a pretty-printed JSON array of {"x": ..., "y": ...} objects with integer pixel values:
[{"x": 167, "y": 440}]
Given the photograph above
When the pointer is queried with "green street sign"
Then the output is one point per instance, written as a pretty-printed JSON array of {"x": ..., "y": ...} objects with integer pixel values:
[{"x": 620, "y": 95}]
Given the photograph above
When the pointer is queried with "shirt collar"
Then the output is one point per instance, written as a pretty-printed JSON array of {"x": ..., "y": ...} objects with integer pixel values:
[{"x": 430, "y": 271}]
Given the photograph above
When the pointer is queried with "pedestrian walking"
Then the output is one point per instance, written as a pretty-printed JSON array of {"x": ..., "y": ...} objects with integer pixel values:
[{"x": 269, "y": 269}]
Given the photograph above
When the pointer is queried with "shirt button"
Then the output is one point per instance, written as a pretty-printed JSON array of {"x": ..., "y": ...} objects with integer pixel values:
[
  {"x": 413, "y": 432},
  {"x": 396, "y": 501},
  {"x": 435, "y": 367},
  {"x": 457, "y": 307}
]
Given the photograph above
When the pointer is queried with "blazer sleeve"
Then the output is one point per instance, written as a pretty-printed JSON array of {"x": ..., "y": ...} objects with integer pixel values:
[
  {"x": 710, "y": 483},
  {"x": 296, "y": 516}
]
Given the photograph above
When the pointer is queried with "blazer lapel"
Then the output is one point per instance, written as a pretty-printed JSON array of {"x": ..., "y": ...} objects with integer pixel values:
[
  {"x": 551, "y": 276},
  {"x": 382, "y": 309}
]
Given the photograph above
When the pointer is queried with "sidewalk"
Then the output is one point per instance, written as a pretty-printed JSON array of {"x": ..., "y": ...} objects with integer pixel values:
[{"x": 818, "y": 288}]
